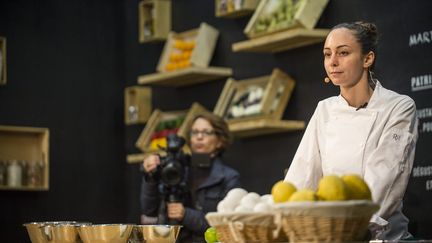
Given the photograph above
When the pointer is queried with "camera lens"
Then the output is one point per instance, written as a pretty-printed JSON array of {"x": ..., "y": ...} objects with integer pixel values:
[{"x": 172, "y": 173}]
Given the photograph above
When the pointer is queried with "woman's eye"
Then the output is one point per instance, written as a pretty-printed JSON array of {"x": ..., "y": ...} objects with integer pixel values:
[
  {"x": 326, "y": 54},
  {"x": 343, "y": 53}
]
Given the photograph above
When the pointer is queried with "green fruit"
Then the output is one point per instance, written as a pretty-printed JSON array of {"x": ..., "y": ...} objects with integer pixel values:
[{"x": 210, "y": 235}]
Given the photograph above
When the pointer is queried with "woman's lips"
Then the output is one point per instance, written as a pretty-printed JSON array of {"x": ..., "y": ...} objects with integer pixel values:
[{"x": 335, "y": 74}]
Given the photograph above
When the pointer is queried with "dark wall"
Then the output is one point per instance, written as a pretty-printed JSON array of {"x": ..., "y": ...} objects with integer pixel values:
[
  {"x": 69, "y": 61},
  {"x": 66, "y": 72}
]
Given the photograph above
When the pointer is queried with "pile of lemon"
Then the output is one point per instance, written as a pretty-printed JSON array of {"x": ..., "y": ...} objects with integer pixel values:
[
  {"x": 330, "y": 188},
  {"x": 180, "y": 55}
]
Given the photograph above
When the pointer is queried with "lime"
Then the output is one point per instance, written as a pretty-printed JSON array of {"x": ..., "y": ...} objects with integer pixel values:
[{"x": 210, "y": 235}]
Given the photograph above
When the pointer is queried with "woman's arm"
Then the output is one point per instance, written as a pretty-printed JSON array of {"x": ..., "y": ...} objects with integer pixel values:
[
  {"x": 305, "y": 169},
  {"x": 388, "y": 167}
]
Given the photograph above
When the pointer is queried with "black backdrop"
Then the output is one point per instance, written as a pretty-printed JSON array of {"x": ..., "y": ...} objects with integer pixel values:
[{"x": 69, "y": 61}]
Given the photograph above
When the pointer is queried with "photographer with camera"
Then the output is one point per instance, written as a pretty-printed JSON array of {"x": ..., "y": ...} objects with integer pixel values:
[{"x": 201, "y": 181}]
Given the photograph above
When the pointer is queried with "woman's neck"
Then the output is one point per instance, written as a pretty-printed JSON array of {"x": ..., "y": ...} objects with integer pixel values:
[{"x": 359, "y": 94}]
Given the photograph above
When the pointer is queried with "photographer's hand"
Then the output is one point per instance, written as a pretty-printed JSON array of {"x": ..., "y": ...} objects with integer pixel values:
[
  {"x": 150, "y": 163},
  {"x": 175, "y": 211}
]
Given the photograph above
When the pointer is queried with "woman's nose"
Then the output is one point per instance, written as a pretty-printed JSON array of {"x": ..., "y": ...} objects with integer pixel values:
[{"x": 333, "y": 61}]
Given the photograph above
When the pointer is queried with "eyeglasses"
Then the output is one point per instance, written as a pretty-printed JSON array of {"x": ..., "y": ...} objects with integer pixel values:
[{"x": 205, "y": 133}]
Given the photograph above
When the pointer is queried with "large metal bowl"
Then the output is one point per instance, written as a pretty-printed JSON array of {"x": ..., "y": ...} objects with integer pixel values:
[
  {"x": 154, "y": 233},
  {"x": 55, "y": 231},
  {"x": 105, "y": 233}
]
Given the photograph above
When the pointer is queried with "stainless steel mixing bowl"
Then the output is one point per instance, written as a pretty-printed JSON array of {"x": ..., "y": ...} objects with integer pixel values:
[
  {"x": 105, "y": 233},
  {"x": 53, "y": 231},
  {"x": 154, "y": 233}
]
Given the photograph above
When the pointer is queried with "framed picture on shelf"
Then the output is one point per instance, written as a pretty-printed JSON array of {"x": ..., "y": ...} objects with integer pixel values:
[
  {"x": 255, "y": 98},
  {"x": 3, "y": 76}
]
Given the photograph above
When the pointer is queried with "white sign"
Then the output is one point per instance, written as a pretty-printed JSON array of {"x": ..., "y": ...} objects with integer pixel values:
[
  {"x": 421, "y": 82},
  {"x": 420, "y": 38}
]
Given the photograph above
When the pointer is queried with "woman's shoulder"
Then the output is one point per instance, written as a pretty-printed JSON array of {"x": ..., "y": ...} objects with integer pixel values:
[
  {"x": 225, "y": 169},
  {"x": 394, "y": 99}
]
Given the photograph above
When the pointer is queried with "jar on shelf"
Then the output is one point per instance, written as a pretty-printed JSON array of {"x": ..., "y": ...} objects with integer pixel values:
[
  {"x": 14, "y": 174},
  {"x": 3, "y": 172},
  {"x": 34, "y": 173}
]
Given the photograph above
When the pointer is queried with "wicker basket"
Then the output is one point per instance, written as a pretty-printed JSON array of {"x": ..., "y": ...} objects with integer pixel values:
[
  {"x": 337, "y": 221},
  {"x": 246, "y": 227}
]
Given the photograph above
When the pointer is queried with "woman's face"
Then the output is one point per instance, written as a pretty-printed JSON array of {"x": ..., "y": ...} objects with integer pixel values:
[
  {"x": 203, "y": 138},
  {"x": 343, "y": 59}
]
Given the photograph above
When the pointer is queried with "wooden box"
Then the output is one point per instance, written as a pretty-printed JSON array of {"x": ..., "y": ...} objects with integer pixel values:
[
  {"x": 3, "y": 76},
  {"x": 277, "y": 15},
  {"x": 154, "y": 18},
  {"x": 138, "y": 104},
  {"x": 183, "y": 119},
  {"x": 29, "y": 145},
  {"x": 193, "y": 48},
  {"x": 255, "y": 98},
  {"x": 235, "y": 8}
]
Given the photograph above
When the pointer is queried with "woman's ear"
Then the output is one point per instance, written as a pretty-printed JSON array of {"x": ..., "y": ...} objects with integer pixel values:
[{"x": 369, "y": 59}]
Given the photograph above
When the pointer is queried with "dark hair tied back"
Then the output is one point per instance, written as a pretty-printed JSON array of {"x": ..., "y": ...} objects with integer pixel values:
[{"x": 365, "y": 33}]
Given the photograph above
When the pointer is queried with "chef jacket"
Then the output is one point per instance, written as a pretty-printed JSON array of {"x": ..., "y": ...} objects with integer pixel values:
[{"x": 376, "y": 142}]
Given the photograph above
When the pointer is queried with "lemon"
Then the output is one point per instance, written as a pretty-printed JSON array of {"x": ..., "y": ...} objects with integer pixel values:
[
  {"x": 357, "y": 187},
  {"x": 282, "y": 191},
  {"x": 332, "y": 188},
  {"x": 303, "y": 195}
]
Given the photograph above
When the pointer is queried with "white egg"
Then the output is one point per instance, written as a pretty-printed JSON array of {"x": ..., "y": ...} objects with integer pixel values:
[
  {"x": 262, "y": 207},
  {"x": 236, "y": 193},
  {"x": 241, "y": 208},
  {"x": 221, "y": 207},
  {"x": 250, "y": 200},
  {"x": 267, "y": 198}
]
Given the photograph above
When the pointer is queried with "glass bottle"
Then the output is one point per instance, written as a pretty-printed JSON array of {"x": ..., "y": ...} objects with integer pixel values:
[{"x": 14, "y": 174}]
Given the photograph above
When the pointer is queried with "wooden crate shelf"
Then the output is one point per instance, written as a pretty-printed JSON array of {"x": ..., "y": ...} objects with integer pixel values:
[
  {"x": 184, "y": 77},
  {"x": 255, "y": 98},
  {"x": 30, "y": 144},
  {"x": 3, "y": 69},
  {"x": 282, "y": 41},
  {"x": 138, "y": 104},
  {"x": 144, "y": 140},
  {"x": 154, "y": 20},
  {"x": 264, "y": 126},
  {"x": 270, "y": 18},
  {"x": 247, "y": 8},
  {"x": 135, "y": 158}
]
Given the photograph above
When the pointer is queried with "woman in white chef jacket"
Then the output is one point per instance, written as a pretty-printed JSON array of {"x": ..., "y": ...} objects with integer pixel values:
[{"x": 366, "y": 130}]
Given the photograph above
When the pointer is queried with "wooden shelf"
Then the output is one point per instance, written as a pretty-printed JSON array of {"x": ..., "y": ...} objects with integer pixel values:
[
  {"x": 264, "y": 126},
  {"x": 29, "y": 144},
  {"x": 135, "y": 158},
  {"x": 184, "y": 77},
  {"x": 236, "y": 14},
  {"x": 282, "y": 41},
  {"x": 3, "y": 69},
  {"x": 22, "y": 188},
  {"x": 154, "y": 20},
  {"x": 247, "y": 7}
]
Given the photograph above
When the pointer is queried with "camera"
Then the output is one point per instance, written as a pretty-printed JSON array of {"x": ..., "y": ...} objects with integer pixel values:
[
  {"x": 174, "y": 166},
  {"x": 171, "y": 176}
]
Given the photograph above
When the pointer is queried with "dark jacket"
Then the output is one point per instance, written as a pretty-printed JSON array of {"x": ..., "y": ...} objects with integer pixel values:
[{"x": 208, "y": 194}]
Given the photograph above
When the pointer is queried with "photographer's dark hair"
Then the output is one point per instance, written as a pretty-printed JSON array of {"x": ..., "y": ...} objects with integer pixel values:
[
  {"x": 220, "y": 128},
  {"x": 366, "y": 34}
]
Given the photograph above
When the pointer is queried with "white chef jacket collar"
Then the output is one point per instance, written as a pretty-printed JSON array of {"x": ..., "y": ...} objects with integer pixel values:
[{"x": 375, "y": 93}]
